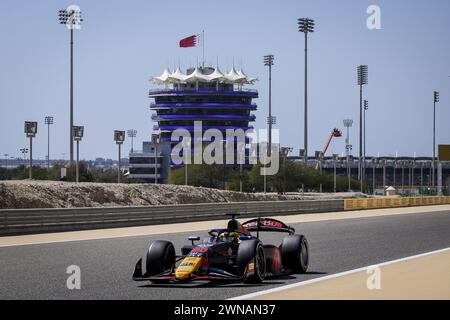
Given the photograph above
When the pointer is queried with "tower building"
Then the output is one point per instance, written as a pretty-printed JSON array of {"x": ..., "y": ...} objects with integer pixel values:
[{"x": 202, "y": 94}]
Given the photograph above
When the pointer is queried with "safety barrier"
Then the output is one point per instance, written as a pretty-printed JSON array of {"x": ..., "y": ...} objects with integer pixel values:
[
  {"x": 26, "y": 221},
  {"x": 374, "y": 203}
]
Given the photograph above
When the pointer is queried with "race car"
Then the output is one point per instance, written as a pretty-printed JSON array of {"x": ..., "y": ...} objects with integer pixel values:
[{"x": 230, "y": 254}]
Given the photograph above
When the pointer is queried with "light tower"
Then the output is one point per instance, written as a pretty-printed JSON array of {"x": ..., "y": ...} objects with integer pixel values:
[
  {"x": 77, "y": 133},
  {"x": 71, "y": 17},
  {"x": 24, "y": 151},
  {"x": 119, "y": 138},
  {"x": 363, "y": 73},
  {"x": 48, "y": 122},
  {"x": 30, "y": 131},
  {"x": 306, "y": 26},
  {"x": 366, "y": 107},
  {"x": 268, "y": 61},
  {"x": 132, "y": 134},
  {"x": 433, "y": 163},
  {"x": 348, "y": 147},
  {"x": 335, "y": 159}
]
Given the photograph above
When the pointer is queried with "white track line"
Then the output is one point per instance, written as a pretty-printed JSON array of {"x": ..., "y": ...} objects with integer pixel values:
[{"x": 337, "y": 275}]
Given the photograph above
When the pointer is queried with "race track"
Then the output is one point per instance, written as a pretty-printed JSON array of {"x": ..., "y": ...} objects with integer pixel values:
[{"x": 39, "y": 271}]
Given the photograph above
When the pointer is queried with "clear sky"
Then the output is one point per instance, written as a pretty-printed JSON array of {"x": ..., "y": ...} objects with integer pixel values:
[{"x": 123, "y": 43}]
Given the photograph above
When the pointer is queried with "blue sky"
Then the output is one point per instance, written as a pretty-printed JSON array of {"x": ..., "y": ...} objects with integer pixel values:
[{"x": 123, "y": 43}]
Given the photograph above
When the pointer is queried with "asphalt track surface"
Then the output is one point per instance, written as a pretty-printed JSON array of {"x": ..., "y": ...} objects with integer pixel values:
[{"x": 39, "y": 271}]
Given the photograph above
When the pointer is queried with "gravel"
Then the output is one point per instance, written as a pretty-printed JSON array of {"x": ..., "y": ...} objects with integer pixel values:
[{"x": 54, "y": 194}]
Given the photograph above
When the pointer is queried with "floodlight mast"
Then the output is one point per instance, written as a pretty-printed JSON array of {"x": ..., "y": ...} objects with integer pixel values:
[
  {"x": 363, "y": 71},
  {"x": 335, "y": 159},
  {"x": 71, "y": 17},
  {"x": 119, "y": 138},
  {"x": 77, "y": 133},
  {"x": 306, "y": 25},
  {"x": 433, "y": 163},
  {"x": 24, "y": 151},
  {"x": 48, "y": 122},
  {"x": 268, "y": 61},
  {"x": 348, "y": 124},
  {"x": 156, "y": 138},
  {"x": 30, "y": 131},
  {"x": 132, "y": 134},
  {"x": 366, "y": 107}
]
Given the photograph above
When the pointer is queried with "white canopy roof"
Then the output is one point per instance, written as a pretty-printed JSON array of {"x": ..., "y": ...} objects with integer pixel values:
[
  {"x": 196, "y": 76},
  {"x": 252, "y": 80},
  {"x": 177, "y": 76},
  {"x": 244, "y": 79},
  {"x": 164, "y": 78},
  {"x": 217, "y": 75},
  {"x": 241, "y": 73},
  {"x": 233, "y": 77}
]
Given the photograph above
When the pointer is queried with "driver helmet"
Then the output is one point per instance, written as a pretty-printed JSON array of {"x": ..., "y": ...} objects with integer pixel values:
[{"x": 228, "y": 236}]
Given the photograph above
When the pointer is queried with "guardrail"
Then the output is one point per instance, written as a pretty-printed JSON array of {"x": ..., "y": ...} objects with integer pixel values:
[{"x": 27, "y": 221}]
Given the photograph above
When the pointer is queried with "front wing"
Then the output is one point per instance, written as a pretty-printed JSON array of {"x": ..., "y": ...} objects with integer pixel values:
[{"x": 168, "y": 276}]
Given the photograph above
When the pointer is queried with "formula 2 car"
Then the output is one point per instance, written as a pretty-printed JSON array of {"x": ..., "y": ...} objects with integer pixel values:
[{"x": 230, "y": 254}]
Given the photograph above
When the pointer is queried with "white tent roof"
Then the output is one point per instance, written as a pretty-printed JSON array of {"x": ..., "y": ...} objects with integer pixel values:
[
  {"x": 164, "y": 78},
  {"x": 234, "y": 77},
  {"x": 241, "y": 73},
  {"x": 252, "y": 80},
  {"x": 217, "y": 75},
  {"x": 196, "y": 76},
  {"x": 248, "y": 79},
  {"x": 244, "y": 78},
  {"x": 177, "y": 76}
]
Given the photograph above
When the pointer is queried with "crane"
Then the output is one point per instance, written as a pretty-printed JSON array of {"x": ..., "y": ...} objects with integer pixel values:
[{"x": 336, "y": 133}]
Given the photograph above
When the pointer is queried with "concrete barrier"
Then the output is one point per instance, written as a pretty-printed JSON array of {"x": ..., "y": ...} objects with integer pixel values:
[
  {"x": 376, "y": 203},
  {"x": 27, "y": 221}
]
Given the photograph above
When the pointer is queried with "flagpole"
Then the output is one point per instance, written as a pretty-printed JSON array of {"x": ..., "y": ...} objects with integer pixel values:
[{"x": 203, "y": 44}]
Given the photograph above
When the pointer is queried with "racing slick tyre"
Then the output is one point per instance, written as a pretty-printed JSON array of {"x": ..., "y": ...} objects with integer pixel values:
[
  {"x": 160, "y": 257},
  {"x": 295, "y": 254},
  {"x": 251, "y": 253}
]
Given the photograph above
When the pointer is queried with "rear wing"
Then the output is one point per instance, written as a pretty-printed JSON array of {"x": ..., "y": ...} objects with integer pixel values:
[{"x": 267, "y": 224}]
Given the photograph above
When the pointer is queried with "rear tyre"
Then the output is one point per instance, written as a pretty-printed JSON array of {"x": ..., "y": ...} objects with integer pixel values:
[
  {"x": 160, "y": 257},
  {"x": 252, "y": 252},
  {"x": 295, "y": 253}
]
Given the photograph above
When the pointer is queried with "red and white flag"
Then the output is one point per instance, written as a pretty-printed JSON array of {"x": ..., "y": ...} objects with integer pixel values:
[{"x": 191, "y": 41}]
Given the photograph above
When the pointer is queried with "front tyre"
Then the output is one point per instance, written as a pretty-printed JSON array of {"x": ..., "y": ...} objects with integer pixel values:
[
  {"x": 295, "y": 253},
  {"x": 160, "y": 257},
  {"x": 251, "y": 261}
]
